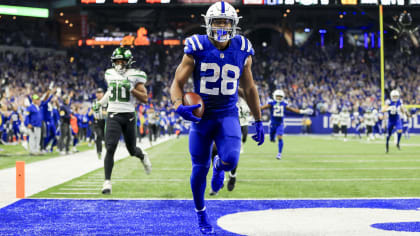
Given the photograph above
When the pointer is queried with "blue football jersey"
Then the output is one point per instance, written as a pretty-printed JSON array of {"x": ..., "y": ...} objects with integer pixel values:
[
  {"x": 394, "y": 108},
  {"x": 277, "y": 110},
  {"x": 217, "y": 72},
  {"x": 14, "y": 118}
]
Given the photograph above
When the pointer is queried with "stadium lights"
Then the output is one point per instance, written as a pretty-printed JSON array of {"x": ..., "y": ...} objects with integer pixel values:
[
  {"x": 307, "y": 30},
  {"x": 71, "y": 24},
  {"x": 24, "y": 11},
  {"x": 288, "y": 10},
  {"x": 285, "y": 15},
  {"x": 341, "y": 16},
  {"x": 14, "y": 17},
  {"x": 322, "y": 31},
  {"x": 61, "y": 14},
  {"x": 66, "y": 21}
]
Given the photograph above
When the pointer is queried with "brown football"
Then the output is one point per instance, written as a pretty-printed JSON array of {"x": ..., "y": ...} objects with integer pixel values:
[{"x": 192, "y": 99}]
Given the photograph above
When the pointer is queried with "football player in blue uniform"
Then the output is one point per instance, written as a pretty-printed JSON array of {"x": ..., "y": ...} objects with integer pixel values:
[
  {"x": 217, "y": 61},
  {"x": 394, "y": 108},
  {"x": 277, "y": 108}
]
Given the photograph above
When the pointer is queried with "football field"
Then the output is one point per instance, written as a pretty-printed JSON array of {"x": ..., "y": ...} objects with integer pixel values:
[
  {"x": 322, "y": 186},
  {"x": 312, "y": 167}
]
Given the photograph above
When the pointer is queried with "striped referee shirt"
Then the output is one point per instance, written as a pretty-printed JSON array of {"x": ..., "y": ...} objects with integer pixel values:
[{"x": 98, "y": 113}]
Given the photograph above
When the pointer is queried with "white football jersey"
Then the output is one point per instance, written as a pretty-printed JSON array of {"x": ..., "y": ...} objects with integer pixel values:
[
  {"x": 335, "y": 119},
  {"x": 369, "y": 119},
  {"x": 345, "y": 118},
  {"x": 119, "y": 87},
  {"x": 243, "y": 111}
]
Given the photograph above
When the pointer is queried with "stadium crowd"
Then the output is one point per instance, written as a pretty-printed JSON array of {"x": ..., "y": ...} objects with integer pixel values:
[{"x": 324, "y": 78}]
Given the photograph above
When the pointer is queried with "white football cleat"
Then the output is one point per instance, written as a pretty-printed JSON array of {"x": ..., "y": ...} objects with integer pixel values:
[
  {"x": 107, "y": 187},
  {"x": 146, "y": 163},
  {"x": 278, "y": 156}
]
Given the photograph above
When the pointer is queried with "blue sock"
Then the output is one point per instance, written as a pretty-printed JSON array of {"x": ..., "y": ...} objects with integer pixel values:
[
  {"x": 399, "y": 137},
  {"x": 198, "y": 185},
  {"x": 280, "y": 145},
  {"x": 75, "y": 141}
]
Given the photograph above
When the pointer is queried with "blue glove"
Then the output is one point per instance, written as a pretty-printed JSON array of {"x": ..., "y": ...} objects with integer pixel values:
[
  {"x": 186, "y": 112},
  {"x": 259, "y": 136}
]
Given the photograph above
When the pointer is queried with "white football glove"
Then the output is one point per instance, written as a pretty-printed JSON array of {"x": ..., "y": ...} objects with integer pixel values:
[{"x": 307, "y": 111}]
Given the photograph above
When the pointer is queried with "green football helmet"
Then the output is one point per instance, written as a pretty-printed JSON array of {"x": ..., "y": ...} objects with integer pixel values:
[{"x": 122, "y": 54}]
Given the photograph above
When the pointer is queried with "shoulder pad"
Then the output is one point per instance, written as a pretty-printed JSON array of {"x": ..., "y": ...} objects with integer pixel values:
[
  {"x": 138, "y": 75},
  {"x": 245, "y": 45},
  {"x": 193, "y": 44}
]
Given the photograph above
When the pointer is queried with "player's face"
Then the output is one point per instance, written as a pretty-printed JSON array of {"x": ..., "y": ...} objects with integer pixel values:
[
  {"x": 120, "y": 62},
  {"x": 279, "y": 98},
  {"x": 99, "y": 95},
  {"x": 221, "y": 28},
  {"x": 222, "y": 23}
]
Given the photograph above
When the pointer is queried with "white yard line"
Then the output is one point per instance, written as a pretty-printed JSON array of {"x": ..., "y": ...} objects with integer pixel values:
[{"x": 47, "y": 173}]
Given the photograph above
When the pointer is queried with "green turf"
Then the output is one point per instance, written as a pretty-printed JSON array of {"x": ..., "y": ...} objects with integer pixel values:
[
  {"x": 312, "y": 167},
  {"x": 13, "y": 153}
]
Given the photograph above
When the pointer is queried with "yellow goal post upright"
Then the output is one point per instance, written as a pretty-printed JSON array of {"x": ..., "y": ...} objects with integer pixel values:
[{"x": 381, "y": 32}]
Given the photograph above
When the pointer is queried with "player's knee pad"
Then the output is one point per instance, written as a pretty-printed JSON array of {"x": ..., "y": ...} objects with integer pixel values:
[
  {"x": 229, "y": 161},
  {"x": 279, "y": 137}
]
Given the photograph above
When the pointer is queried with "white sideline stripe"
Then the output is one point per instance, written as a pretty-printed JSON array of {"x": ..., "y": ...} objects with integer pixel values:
[
  {"x": 73, "y": 189},
  {"x": 233, "y": 199},
  {"x": 198, "y": 42},
  {"x": 362, "y": 161},
  {"x": 73, "y": 193}
]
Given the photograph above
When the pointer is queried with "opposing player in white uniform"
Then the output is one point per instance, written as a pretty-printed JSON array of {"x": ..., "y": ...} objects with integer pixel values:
[
  {"x": 344, "y": 121},
  {"x": 335, "y": 121},
  {"x": 124, "y": 86},
  {"x": 369, "y": 121}
]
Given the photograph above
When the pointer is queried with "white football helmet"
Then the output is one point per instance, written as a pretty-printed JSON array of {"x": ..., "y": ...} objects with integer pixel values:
[
  {"x": 395, "y": 95},
  {"x": 278, "y": 92},
  {"x": 221, "y": 10}
]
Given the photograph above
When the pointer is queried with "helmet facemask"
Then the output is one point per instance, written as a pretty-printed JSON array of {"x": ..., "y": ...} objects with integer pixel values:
[
  {"x": 120, "y": 65},
  {"x": 221, "y": 29},
  {"x": 221, "y": 21}
]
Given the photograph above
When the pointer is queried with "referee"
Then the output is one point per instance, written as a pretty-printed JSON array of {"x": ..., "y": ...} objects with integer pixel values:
[{"x": 99, "y": 114}]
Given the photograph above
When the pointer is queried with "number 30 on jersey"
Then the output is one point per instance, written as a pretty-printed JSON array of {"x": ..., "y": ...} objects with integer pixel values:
[{"x": 226, "y": 79}]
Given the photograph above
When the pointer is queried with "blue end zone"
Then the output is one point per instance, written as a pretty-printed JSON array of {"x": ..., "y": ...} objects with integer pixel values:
[{"x": 160, "y": 217}]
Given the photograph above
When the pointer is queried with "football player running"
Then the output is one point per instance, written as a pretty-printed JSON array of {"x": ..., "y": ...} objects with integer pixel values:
[
  {"x": 277, "y": 108},
  {"x": 394, "y": 108},
  {"x": 218, "y": 61},
  {"x": 124, "y": 86}
]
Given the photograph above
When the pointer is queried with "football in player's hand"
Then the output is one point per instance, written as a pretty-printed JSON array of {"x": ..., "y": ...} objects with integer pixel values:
[{"x": 192, "y": 99}]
